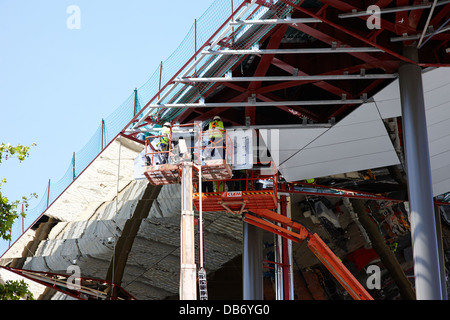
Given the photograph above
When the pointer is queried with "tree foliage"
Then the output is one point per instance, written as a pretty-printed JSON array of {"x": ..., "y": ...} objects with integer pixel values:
[
  {"x": 15, "y": 290},
  {"x": 8, "y": 209},
  {"x": 12, "y": 290}
]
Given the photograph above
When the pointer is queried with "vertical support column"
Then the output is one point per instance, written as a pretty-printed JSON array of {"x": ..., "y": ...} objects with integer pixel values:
[
  {"x": 287, "y": 253},
  {"x": 103, "y": 134},
  {"x": 279, "y": 284},
  {"x": 135, "y": 103},
  {"x": 423, "y": 226},
  {"x": 23, "y": 220},
  {"x": 279, "y": 258},
  {"x": 73, "y": 166},
  {"x": 48, "y": 193},
  {"x": 283, "y": 267},
  {"x": 195, "y": 44},
  {"x": 159, "y": 81},
  {"x": 188, "y": 270},
  {"x": 437, "y": 213},
  {"x": 252, "y": 263}
]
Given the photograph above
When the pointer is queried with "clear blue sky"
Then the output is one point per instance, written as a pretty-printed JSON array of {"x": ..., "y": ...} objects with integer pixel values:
[{"x": 56, "y": 84}]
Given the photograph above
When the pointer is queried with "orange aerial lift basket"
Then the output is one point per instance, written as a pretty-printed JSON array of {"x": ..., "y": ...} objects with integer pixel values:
[
  {"x": 247, "y": 190},
  {"x": 188, "y": 142}
]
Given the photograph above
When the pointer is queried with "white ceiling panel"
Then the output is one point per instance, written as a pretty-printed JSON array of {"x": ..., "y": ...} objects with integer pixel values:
[
  {"x": 331, "y": 166},
  {"x": 360, "y": 141},
  {"x": 438, "y": 113},
  {"x": 388, "y": 101},
  {"x": 439, "y": 145},
  {"x": 283, "y": 143},
  {"x": 437, "y": 103}
]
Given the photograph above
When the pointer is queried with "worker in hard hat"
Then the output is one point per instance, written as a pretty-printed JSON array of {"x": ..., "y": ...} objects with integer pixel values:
[
  {"x": 216, "y": 134},
  {"x": 164, "y": 142}
]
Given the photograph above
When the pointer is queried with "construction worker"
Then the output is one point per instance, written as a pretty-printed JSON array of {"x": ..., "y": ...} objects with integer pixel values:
[
  {"x": 216, "y": 133},
  {"x": 219, "y": 186},
  {"x": 238, "y": 183},
  {"x": 164, "y": 142}
]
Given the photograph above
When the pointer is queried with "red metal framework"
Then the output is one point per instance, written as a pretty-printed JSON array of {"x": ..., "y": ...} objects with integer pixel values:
[
  {"x": 332, "y": 31},
  {"x": 256, "y": 189},
  {"x": 330, "y": 191},
  {"x": 86, "y": 289}
]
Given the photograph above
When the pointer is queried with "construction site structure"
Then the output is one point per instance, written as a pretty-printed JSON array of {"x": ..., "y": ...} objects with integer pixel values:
[
  {"x": 361, "y": 89},
  {"x": 253, "y": 195}
]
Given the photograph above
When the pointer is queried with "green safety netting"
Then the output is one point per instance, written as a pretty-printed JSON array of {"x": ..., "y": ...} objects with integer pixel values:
[{"x": 238, "y": 37}]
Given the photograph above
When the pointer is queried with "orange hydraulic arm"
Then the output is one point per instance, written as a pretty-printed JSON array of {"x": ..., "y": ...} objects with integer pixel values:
[{"x": 298, "y": 233}]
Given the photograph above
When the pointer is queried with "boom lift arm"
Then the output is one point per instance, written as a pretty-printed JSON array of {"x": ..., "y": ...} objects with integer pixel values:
[{"x": 279, "y": 225}]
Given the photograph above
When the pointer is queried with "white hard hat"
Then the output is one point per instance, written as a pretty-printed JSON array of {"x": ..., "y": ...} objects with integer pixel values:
[
  {"x": 167, "y": 124},
  {"x": 217, "y": 118}
]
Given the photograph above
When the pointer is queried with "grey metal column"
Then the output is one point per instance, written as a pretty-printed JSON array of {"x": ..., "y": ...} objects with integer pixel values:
[
  {"x": 437, "y": 212},
  {"x": 423, "y": 226},
  {"x": 252, "y": 263}
]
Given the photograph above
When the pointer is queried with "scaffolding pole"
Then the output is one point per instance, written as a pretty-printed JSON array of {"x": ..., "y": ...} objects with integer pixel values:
[{"x": 188, "y": 271}]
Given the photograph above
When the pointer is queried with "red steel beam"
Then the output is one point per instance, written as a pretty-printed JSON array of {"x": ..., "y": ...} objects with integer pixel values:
[
  {"x": 345, "y": 30},
  {"x": 415, "y": 15},
  {"x": 401, "y": 25},
  {"x": 328, "y": 39},
  {"x": 61, "y": 283},
  {"x": 266, "y": 60},
  {"x": 296, "y": 111},
  {"x": 387, "y": 25},
  {"x": 365, "y": 39},
  {"x": 389, "y": 66}
]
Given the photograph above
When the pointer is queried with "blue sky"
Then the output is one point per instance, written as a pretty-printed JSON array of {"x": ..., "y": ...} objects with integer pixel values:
[{"x": 56, "y": 83}]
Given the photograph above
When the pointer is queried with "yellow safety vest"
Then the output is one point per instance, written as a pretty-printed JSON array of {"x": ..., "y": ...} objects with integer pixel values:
[
  {"x": 218, "y": 186},
  {"x": 165, "y": 136},
  {"x": 216, "y": 129}
]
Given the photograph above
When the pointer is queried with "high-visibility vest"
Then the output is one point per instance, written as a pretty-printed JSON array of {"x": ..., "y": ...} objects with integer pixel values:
[
  {"x": 216, "y": 129},
  {"x": 165, "y": 136},
  {"x": 218, "y": 186}
]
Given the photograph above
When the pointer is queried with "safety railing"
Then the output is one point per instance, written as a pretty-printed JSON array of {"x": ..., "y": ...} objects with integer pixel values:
[
  {"x": 261, "y": 177},
  {"x": 187, "y": 142},
  {"x": 246, "y": 190}
]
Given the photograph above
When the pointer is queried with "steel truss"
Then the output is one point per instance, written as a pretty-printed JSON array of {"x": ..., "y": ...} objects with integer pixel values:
[{"x": 81, "y": 288}]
